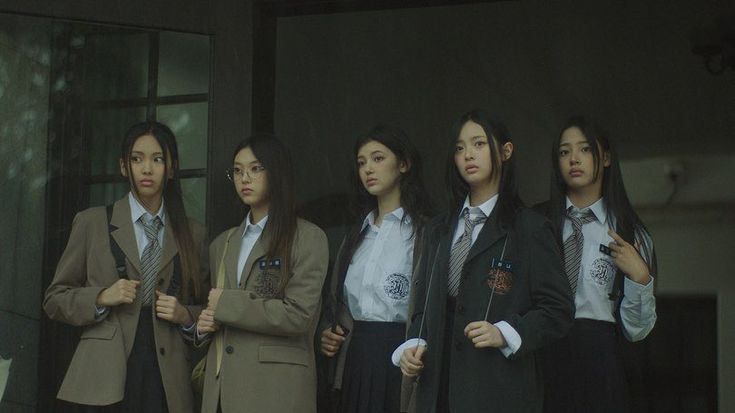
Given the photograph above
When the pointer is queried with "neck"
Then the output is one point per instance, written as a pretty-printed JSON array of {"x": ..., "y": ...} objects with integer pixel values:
[
  {"x": 387, "y": 203},
  {"x": 151, "y": 204},
  {"x": 584, "y": 197},
  {"x": 257, "y": 213},
  {"x": 481, "y": 193}
]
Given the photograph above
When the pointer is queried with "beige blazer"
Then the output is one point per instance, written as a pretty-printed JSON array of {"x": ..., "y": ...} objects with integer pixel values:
[
  {"x": 96, "y": 375},
  {"x": 268, "y": 359}
]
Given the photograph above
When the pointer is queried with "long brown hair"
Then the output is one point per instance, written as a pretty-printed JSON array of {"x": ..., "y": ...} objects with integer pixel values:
[{"x": 173, "y": 202}]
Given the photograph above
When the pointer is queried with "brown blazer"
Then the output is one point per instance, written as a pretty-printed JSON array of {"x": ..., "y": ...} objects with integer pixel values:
[
  {"x": 96, "y": 375},
  {"x": 268, "y": 359}
]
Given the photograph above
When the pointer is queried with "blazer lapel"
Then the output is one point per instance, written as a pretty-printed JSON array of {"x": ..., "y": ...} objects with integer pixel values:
[
  {"x": 169, "y": 244},
  {"x": 124, "y": 234},
  {"x": 232, "y": 257},
  {"x": 491, "y": 233}
]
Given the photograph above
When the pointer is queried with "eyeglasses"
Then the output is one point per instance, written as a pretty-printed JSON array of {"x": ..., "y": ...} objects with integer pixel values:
[{"x": 254, "y": 172}]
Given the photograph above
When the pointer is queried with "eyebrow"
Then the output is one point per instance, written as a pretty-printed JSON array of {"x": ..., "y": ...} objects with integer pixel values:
[
  {"x": 371, "y": 153},
  {"x": 143, "y": 153},
  {"x": 473, "y": 138}
]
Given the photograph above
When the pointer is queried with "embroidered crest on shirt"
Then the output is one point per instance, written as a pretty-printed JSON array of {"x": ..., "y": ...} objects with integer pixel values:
[
  {"x": 396, "y": 286},
  {"x": 602, "y": 271}
]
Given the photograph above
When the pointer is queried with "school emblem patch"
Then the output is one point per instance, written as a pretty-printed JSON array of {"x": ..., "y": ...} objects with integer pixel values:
[
  {"x": 602, "y": 271},
  {"x": 267, "y": 284},
  {"x": 396, "y": 286},
  {"x": 502, "y": 280}
]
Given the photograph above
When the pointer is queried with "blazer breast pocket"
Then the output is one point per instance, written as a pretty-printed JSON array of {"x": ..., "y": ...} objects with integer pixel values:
[
  {"x": 268, "y": 278},
  {"x": 104, "y": 330},
  {"x": 283, "y": 354}
]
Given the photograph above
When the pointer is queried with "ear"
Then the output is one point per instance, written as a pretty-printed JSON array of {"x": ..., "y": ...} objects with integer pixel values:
[
  {"x": 606, "y": 159},
  {"x": 404, "y": 167},
  {"x": 123, "y": 170},
  {"x": 507, "y": 151}
]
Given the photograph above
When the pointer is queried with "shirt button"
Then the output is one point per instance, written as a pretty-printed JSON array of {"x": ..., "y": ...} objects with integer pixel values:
[
  {"x": 229, "y": 349},
  {"x": 162, "y": 351}
]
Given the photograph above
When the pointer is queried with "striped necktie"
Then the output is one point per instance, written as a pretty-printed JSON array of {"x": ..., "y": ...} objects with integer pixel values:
[
  {"x": 460, "y": 249},
  {"x": 150, "y": 260},
  {"x": 573, "y": 244}
]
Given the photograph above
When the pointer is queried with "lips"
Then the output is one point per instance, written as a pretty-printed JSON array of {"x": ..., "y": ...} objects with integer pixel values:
[
  {"x": 470, "y": 169},
  {"x": 575, "y": 173},
  {"x": 146, "y": 183},
  {"x": 246, "y": 191},
  {"x": 371, "y": 182}
]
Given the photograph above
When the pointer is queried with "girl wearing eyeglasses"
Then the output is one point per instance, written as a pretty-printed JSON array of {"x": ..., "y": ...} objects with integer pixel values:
[{"x": 261, "y": 321}]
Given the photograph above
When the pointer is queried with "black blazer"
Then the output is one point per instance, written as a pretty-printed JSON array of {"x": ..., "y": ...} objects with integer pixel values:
[{"x": 534, "y": 298}]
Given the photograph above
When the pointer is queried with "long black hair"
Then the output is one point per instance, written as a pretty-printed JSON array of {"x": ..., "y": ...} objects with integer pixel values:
[
  {"x": 614, "y": 197},
  {"x": 414, "y": 198},
  {"x": 282, "y": 218},
  {"x": 508, "y": 199},
  {"x": 172, "y": 199}
]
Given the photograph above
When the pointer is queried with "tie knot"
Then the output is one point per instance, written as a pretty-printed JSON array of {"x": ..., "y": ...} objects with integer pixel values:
[
  {"x": 470, "y": 222},
  {"x": 152, "y": 227},
  {"x": 581, "y": 217}
]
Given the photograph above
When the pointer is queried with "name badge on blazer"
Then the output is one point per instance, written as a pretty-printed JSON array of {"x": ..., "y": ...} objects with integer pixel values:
[
  {"x": 268, "y": 278},
  {"x": 500, "y": 276}
]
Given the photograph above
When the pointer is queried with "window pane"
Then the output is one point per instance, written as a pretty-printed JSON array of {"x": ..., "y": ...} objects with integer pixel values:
[
  {"x": 105, "y": 131},
  {"x": 189, "y": 122},
  {"x": 195, "y": 197},
  {"x": 183, "y": 66},
  {"x": 116, "y": 65},
  {"x": 107, "y": 193}
]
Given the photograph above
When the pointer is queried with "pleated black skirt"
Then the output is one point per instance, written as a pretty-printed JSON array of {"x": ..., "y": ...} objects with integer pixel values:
[{"x": 371, "y": 383}]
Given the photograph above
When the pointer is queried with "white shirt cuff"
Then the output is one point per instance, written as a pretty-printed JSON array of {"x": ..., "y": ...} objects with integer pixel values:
[
  {"x": 398, "y": 352},
  {"x": 100, "y": 312},
  {"x": 638, "y": 289},
  {"x": 512, "y": 338}
]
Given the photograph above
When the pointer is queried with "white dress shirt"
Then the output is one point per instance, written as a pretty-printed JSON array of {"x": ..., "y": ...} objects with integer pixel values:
[
  {"x": 137, "y": 210},
  {"x": 379, "y": 276},
  {"x": 597, "y": 275},
  {"x": 249, "y": 237}
]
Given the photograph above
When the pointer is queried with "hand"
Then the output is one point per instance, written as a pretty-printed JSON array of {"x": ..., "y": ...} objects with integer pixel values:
[
  {"x": 214, "y": 295},
  {"x": 331, "y": 341},
  {"x": 206, "y": 323},
  {"x": 411, "y": 364},
  {"x": 628, "y": 260},
  {"x": 168, "y": 308},
  {"x": 122, "y": 292},
  {"x": 484, "y": 334}
]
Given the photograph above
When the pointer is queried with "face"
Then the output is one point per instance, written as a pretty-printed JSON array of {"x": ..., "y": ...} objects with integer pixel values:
[
  {"x": 251, "y": 180},
  {"x": 379, "y": 168},
  {"x": 577, "y": 163},
  {"x": 148, "y": 166},
  {"x": 472, "y": 155}
]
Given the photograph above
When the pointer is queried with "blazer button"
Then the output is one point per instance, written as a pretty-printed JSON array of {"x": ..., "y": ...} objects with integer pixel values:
[
  {"x": 460, "y": 308},
  {"x": 160, "y": 281},
  {"x": 162, "y": 351},
  {"x": 229, "y": 349}
]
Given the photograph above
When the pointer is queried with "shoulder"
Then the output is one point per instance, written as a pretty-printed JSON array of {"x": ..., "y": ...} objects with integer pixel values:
[
  {"x": 309, "y": 230},
  {"x": 222, "y": 237},
  {"x": 92, "y": 217},
  {"x": 530, "y": 220},
  {"x": 543, "y": 208}
]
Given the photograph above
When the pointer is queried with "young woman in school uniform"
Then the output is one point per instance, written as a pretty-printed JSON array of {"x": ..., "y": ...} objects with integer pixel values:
[
  {"x": 132, "y": 356},
  {"x": 369, "y": 289},
  {"x": 264, "y": 318},
  {"x": 490, "y": 289},
  {"x": 610, "y": 263}
]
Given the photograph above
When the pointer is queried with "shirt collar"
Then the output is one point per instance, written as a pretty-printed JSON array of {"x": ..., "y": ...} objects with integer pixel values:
[
  {"x": 395, "y": 215},
  {"x": 597, "y": 208},
  {"x": 258, "y": 226},
  {"x": 486, "y": 208},
  {"x": 137, "y": 210}
]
